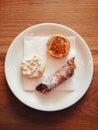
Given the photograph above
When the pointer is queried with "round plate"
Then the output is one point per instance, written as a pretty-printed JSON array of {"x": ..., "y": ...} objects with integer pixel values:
[{"x": 55, "y": 100}]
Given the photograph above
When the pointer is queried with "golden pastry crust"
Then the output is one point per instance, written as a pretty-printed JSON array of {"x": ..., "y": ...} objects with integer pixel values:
[
  {"x": 58, "y": 46},
  {"x": 32, "y": 67}
]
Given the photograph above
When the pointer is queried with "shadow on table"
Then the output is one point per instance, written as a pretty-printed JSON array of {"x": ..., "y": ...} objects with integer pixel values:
[{"x": 30, "y": 116}]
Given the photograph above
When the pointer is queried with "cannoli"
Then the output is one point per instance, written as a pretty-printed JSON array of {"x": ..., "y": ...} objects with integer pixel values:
[{"x": 62, "y": 74}]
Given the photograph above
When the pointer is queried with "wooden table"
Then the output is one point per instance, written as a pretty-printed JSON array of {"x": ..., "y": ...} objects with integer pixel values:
[{"x": 17, "y": 15}]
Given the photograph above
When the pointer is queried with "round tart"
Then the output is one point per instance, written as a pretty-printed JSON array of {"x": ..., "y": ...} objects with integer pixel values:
[
  {"x": 58, "y": 46},
  {"x": 33, "y": 67}
]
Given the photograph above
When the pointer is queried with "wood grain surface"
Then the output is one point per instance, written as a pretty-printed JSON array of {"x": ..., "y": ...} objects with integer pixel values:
[{"x": 17, "y": 15}]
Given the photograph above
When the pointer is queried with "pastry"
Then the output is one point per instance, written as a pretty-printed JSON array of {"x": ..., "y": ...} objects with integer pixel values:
[
  {"x": 58, "y": 46},
  {"x": 64, "y": 73},
  {"x": 33, "y": 67}
]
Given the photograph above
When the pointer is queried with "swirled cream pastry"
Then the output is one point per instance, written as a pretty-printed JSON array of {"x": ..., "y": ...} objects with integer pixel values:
[
  {"x": 33, "y": 67},
  {"x": 58, "y": 46}
]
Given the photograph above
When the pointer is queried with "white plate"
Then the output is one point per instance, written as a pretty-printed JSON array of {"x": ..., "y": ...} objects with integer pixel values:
[{"x": 54, "y": 100}]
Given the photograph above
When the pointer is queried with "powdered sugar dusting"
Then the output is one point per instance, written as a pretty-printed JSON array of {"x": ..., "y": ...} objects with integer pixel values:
[{"x": 37, "y": 45}]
